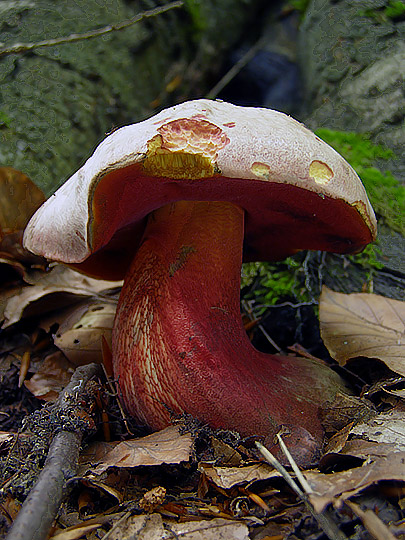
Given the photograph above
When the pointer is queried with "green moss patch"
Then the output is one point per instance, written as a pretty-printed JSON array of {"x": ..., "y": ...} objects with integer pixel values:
[{"x": 386, "y": 194}]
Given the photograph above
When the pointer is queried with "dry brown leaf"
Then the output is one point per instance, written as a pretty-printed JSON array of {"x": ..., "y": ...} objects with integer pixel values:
[
  {"x": 387, "y": 427},
  {"x": 53, "y": 290},
  {"x": 79, "y": 335},
  {"x": 19, "y": 198},
  {"x": 144, "y": 527},
  {"x": 94, "y": 453},
  {"x": 227, "y": 477},
  {"x": 215, "y": 529},
  {"x": 363, "y": 324},
  {"x": 339, "y": 439},
  {"x": 152, "y": 527},
  {"x": 339, "y": 486},
  {"x": 398, "y": 393},
  {"x": 165, "y": 446},
  {"x": 380, "y": 435},
  {"x": 367, "y": 449},
  {"x": 81, "y": 528},
  {"x": 52, "y": 376},
  {"x": 73, "y": 533},
  {"x": 224, "y": 454}
]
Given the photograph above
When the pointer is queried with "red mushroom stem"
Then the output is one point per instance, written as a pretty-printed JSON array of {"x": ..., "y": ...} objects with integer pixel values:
[{"x": 179, "y": 344}]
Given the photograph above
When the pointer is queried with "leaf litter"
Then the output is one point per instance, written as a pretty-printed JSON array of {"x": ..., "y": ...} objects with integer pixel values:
[
  {"x": 186, "y": 481},
  {"x": 362, "y": 324}
]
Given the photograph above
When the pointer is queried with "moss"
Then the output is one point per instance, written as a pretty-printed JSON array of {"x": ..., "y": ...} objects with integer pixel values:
[
  {"x": 395, "y": 9},
  {"x": 299, "y": 5},
  {"x": 386, "y": 194},
  {"x": 4, "y": 119},
  {"x": 269, "y": 283}
]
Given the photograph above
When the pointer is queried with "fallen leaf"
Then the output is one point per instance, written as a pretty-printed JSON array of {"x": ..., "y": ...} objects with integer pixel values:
[
  {"x": 227, "y": 477},
  {"x": 398, "y": 393},
  {"x": 362, "y": 324},
  {"x": 19, "y": 198},
  {"x": 339, "y": 439},
  {"x": 79, "y": 336},
  {"x": 95, "y": 452},
  {"x": 338, "y": 486},
  {"x": 367, "y": 449},
  {"x": 378, "y": 436},
  {"x": 52, "y": 376},
  {"x": 165, "y": 446},
  {"x": 103, "y": 487},
  {"x": 73, "y": 533},
  {"x": 153, "y": 527},
  {"x": 215, "y": 529},
  {"x": 55, "y": 289},
  {"x": 10, "y": 507},
  {"x": 387, "y": 427},
  {"x": 224, "y": 454}
]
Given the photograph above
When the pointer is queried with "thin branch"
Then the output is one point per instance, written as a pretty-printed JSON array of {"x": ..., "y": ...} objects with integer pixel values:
[
  {"x": 19, "y": 48},
  {"x": 38, "y": 512},
  {"x": 236, "y": 68},
  {"x": 325, "y": 522}
]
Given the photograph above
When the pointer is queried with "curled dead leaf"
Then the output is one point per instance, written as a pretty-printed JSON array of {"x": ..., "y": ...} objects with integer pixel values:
[
  {"x": 59, "y": 287},
  {"x": 360, "y": 324},
  {"x": 80, "y": 334},
  {"x": 19, "y": 198},
  {"x": 228, "y": 477},
  {"x": 338, "y": 486},
  {"x": 165, "y": 446},
  {"x": 52, "y": 376}
]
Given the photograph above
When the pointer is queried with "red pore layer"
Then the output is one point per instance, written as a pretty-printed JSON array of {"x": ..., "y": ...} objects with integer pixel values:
[
  {"x": 297, "y": 218},
  {"x": 179, "y": 344}
]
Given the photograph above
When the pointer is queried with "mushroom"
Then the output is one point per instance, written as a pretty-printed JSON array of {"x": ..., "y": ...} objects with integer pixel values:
[{"x": 175, "y": 203}]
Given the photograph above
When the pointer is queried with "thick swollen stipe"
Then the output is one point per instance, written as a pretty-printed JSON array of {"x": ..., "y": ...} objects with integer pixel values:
[{"x": 179, "y": 344}]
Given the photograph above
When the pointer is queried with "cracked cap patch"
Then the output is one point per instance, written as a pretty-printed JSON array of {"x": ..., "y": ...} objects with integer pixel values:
[{"x": 185, "y": 148}]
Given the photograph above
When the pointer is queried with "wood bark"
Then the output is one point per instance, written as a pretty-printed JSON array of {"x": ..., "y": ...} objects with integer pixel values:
[
  {"x": 58, "y": 102},
  {"x": 352, "y": 60}
]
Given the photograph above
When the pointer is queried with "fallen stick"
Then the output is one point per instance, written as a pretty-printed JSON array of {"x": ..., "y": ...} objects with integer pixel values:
[{"x": 38, "y": 512}]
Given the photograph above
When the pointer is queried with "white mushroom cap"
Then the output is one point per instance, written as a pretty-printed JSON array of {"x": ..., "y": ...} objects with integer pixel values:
[{"x": 208, "y": 150}]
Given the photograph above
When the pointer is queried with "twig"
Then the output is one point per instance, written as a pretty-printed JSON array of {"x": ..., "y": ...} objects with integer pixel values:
[
  {"x": 248, "y": 309},
  {"x": 38, "y": 512},
  {"x": 328, "y": 526},
  {"x": 236, "y": 68},
  {"x": 19, "y": 48},
  {"x": 303, "y": 481},
  {"x": 268, "y": 337}
]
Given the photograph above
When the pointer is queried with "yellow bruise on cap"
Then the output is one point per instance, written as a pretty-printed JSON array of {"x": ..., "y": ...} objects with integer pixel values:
[
  {"x": 178, "y": 165},
  {"x": 261, "y": 170},
  {"x": 320, "y": 172}
]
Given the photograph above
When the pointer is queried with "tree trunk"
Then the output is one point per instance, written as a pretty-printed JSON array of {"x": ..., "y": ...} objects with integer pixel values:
[
  {"x": 58, "y": 102},
  {"x": 352, "y": 57},
  {"x": 352, "y": 60}
]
